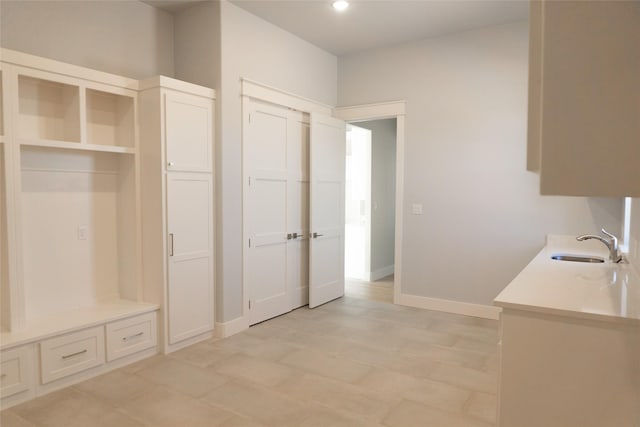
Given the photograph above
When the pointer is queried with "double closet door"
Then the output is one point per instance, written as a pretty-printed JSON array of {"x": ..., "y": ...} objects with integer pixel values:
[{"x": 293, "y": 209}]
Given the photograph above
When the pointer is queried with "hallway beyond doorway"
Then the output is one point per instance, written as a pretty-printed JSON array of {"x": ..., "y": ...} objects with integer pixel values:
[{"x": 380, "y": 290}]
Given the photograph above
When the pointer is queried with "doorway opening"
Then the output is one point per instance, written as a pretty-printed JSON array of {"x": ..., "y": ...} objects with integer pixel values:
[{"x": 370, "y": 209}]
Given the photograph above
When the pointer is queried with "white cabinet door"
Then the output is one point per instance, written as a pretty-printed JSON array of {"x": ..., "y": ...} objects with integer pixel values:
[
  {"x": 327, "y": 172},
  {"x": 190, "y": 231},
  {"x": 188, "y": 128}
]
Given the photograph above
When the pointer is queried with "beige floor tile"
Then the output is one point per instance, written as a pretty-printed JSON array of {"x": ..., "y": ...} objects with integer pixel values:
[
  {"x": 324, "y": 417},
  {"x": 336, "y": 395},
  {"x": 8, "y": 418},
  {"x": 473, "y": 331},
  {"x": 269, "y": 349},
  {"x": 71, "y": 408},
  {"x": 483, "y": 406},
  {"x": 329, "y": 366},
  {"x": 252, "y": 369},
  {"x": 143, "y": 364},
  {"x": 202, "y": 354},
  {"x": 466, "y": 343},
  {"x": 265, "y": 406},
  {"x": 410, "y": 414},
  {"x": 240, "y": 421},
  {"x": 183, "y": 377},
  {"x": 162, "y": 407},
  {"x": 394, "y": 386},
  {"x": 115, "y": 387},
  {"x": 466, "y": 378},
  {"x": 448, "y": 355}
]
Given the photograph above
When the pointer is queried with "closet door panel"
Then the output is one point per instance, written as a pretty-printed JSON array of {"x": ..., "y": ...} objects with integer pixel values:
[
  {"x": 190, "y": 290},
  {"x": 265, "y": 147},
  {"x": 298, "y": 211},
  {"x": 327, "y": 177}
]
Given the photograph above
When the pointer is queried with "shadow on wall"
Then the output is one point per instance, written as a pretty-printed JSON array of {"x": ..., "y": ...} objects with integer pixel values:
[{"x": 606, "y": 211}]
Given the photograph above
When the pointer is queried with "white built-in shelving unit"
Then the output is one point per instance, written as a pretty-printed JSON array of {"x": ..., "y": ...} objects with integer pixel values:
[{"x": 70, "y": 224}]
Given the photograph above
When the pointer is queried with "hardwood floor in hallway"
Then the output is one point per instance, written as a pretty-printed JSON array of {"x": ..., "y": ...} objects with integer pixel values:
[{"x": 380, "y": 290}]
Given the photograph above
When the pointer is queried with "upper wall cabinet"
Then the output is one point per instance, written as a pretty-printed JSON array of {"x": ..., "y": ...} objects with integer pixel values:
[{"x": 584, "y": 97}]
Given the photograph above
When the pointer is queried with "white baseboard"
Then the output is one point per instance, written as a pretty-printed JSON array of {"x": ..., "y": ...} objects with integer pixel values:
[
  {"x": 381, "y": 273},
  {"x": 448, "y": 306},
  {"x": 232, "y": 327}
]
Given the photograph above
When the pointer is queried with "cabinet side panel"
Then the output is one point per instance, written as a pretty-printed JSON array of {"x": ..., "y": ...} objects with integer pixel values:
[
  {"x": 566, "y": 372},
  {"x": 5, "y": 307},
  {"x": 536, "y": 44},
  {"x": 591, "y": 99},
  {"x": 153, "y": 210}
]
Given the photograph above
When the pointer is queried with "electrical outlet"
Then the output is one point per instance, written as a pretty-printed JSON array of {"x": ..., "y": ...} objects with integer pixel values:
[{"x": 83, "y": 232}]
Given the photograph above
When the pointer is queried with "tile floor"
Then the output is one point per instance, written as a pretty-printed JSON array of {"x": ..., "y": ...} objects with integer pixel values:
[{"x": 351, "y": 362}]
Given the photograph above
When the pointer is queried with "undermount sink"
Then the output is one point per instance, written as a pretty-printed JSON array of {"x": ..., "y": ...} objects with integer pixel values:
[{"x": 577, "y": 258}]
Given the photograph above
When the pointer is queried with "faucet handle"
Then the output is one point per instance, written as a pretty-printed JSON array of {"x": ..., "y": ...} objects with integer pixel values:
[{"x": 614, "y": 239}]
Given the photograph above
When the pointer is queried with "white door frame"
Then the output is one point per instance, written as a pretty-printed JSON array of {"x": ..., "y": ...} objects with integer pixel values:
[{"x": 387, "y": 110}]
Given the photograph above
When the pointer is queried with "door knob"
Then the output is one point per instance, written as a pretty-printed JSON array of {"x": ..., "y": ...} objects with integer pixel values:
[{"x": 316, "y": 235}]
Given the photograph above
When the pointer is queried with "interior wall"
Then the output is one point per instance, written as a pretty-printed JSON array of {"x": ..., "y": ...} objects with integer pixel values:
[
  {"x": 634, "y": 241},
  {"x": 197, "y": 44},
  {"x": 483, "y": 218},
  {"x": 383, "y": 194},
  {"x": 255, "y": 49},
  {"x": 128, "y": 38}
]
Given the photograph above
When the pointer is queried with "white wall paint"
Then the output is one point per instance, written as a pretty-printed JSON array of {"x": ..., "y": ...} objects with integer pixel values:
[
  {"x": 383, "y": 194},
  {"x": 128, "y": 38},
  {"x": 255, "y": 49},
  {"x": 466, "y": 118},
  {"x": 197, "y": 44}
]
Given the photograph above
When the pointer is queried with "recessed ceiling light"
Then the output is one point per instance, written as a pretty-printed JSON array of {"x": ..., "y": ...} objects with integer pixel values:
[{"x": 340, "y": 5}]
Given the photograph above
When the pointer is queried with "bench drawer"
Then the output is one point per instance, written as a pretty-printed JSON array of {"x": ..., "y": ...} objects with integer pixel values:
[
  {"x": 68, "y": 354},
  {"x": 132, "y": 335}
]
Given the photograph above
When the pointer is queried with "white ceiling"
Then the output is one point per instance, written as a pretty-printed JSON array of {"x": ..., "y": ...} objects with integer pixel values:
[{"x": 370, "y": 24}]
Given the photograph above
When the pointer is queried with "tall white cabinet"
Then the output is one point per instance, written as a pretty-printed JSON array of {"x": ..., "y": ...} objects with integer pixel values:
[{"x": 176, "y": 121}]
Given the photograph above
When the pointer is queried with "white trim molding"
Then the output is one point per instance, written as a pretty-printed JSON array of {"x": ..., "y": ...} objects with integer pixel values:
[
  {"x": 381, "y": 110},
  {"x": 448, "y": 306},
  {"x": 263, "y": 92},
  {"x": 232, "y": 327},
  {"x": 387, "y": 110}
]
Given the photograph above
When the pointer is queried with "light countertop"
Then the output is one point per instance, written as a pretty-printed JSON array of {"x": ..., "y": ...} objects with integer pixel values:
[{"x": 605, "y": 291}]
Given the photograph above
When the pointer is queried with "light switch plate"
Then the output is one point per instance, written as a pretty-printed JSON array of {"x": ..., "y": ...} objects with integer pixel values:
[
  {"x": 83, "y": 231},
  {"x": 416, "y": 209}
]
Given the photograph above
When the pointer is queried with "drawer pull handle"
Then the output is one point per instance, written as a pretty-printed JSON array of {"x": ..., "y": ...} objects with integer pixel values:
[
  {"x": 139, "y": 334},
  {"x": 68, "y": 356}
]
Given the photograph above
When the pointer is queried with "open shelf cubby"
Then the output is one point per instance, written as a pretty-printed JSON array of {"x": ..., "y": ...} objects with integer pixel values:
[
  {"x": 79, "y": 237},
  {"x": 110, "y": 119},
  {"x": 48, "y": 110}
]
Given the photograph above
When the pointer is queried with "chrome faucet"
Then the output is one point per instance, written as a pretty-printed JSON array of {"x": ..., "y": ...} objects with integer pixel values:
[{"x": 611, "y": 243}]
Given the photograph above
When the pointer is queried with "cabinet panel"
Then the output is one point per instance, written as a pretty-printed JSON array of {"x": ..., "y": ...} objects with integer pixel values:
[
  {"x": 189, "y": 219},
  {"x": 15, "y": 371},
  {"x": 129, "y": 336},
  {"x": 188, "y": 132},
  {"x": 71, "y": 353},
  {"x": 584, "y": 101}
]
